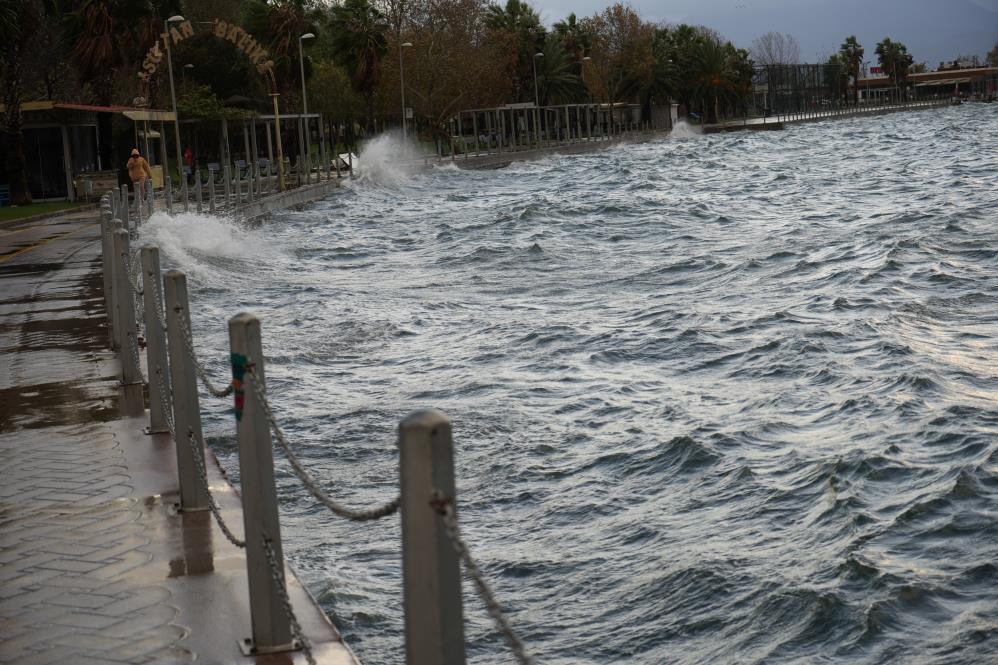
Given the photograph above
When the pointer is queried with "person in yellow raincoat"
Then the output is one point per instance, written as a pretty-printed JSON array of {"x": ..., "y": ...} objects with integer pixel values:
[{"x": 138, "y": 171}]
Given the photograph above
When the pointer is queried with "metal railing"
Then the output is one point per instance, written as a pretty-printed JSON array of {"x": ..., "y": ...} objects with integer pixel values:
[
  {"x": 222, "y": 190},
  {"x": 433, "y": 549}
]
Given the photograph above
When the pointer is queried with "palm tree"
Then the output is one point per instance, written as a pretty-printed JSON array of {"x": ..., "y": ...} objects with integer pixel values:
[
  {"x": 358, "y": 35},
  {"x": 894, "y": 59},
  {"x": 522, "y": 25},
  {"x": 557, "y": 82},
  {"x": 852, "y": 54},
  {"x": 576, "y": 41},
  {"x": 101, "y": 35},
  {"x": 711, "y": 77},
  {"x": 281, "y": 23},
  {"x": 18, "y": 21}
]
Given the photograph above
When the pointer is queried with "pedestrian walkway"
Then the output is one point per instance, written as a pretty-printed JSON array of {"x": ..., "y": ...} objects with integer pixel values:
[{"x": 97, "y": 565}]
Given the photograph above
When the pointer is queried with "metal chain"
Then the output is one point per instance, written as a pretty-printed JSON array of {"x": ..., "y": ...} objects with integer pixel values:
[
  {"x": 159, "y": 308},
  {"x": 198, "y": 367},
  {"x": 277, "y": 572},
  {"x": 203, "y": 474},
  {"x": 356, "y": 515},
  {"x": 129, "y": 265},
  {"x": 164, "y": 402},
  {"x": 445, "y": 507},
  {"x": 133, "y": 346}
]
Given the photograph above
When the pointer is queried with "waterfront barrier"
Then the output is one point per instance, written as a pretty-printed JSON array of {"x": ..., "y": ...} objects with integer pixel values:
[
  {"x": 222, "y": 190},
  {"x": 433, "y": 548}
]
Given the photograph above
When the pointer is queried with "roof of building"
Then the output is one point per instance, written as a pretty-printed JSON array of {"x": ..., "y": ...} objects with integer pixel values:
[{"x": 130, "y": 112}]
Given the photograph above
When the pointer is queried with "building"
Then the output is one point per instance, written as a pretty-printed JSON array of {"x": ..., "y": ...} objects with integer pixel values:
[{"x": 60, "y": 147}]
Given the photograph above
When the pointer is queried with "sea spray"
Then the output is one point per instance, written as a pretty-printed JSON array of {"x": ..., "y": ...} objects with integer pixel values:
[
  {"x": 388, "y": 159},
  {"x": 684, "y": 130},
  {"x": 208, "y": 247}
]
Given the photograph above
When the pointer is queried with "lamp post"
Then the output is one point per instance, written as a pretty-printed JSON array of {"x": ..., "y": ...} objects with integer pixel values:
[
  {"x": 864, "y": 64},
  {"x": 537, "y": 100},
  {"x": 183, "y": 76},
  {"x": 173, "y": 98},
  {"x": 402, "y": 83},
  {"x": 303, "y": 131}
]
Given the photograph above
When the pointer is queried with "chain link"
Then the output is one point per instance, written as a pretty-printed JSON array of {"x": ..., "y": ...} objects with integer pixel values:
[
  {"x": 133, "y": 346},
  {"x": 445, "y": 507},
  {"x": 185, "y": 332},
  {"x": 356, "y": 515},
  {"x": 164, "y": 402},
  {"x": 159, "y": 308},
  {"x": 277, "y": 572},
  {"x": 203, "y": 474}
]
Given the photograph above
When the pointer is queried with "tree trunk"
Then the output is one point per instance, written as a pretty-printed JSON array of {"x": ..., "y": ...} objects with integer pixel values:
[
  {"x": 369, "y": 98},
  {"x": 13, "y": 130},
  {"x": 105, "y": 97}
]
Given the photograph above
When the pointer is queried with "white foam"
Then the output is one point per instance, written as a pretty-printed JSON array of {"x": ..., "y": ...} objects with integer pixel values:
[
  {"x": 388, "y": 159},
  {"x": 206, "y": 245},
  {"x": 684, "y": 130}
]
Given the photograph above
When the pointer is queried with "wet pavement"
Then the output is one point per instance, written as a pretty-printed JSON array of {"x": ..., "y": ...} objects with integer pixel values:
[{"x": 96, "y": 565}]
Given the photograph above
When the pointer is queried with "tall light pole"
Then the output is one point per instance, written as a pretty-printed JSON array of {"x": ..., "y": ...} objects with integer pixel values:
[
  {"x": 864, "y": 64},
  {"x": 303, "y": 131},
  {"x": 402, "y": 82},
  {"x": 537, "y": 101},
  {"x": 183, "y": 76},
  {"x": 173, "y": 98}
]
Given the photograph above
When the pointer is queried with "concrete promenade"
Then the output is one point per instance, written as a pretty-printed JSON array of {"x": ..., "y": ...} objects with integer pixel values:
[
  {"x": 95, "y": 564},
  {"x": 778, "y": 121}
]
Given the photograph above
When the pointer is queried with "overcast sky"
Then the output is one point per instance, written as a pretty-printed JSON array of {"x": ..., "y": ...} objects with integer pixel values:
[{"x": 933, "y": 30}]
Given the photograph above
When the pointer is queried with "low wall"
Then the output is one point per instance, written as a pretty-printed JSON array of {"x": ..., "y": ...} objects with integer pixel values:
[
  {"x": 497, "y": 160},
  {"x": 288, "y": 199}
]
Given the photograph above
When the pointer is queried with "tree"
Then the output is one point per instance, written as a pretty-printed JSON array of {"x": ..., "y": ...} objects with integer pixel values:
[
  {"x": 518, "y": 24},
  {"x": 19, "y": 19},
  {"x": 358, "y": 35},
  {"x": 102, "y": 34},
  {"x": 852, "y": 54},
  {"x": 575, "y": 40},
  {"x": 556, "y": 78},
  {"x": 836, "y": 76},
  {"x": 775, "y": 48},
  {"x": 894, "y": 59},
  {"x": 280, "y": 23},
  {"x": 992, "y": 56}
]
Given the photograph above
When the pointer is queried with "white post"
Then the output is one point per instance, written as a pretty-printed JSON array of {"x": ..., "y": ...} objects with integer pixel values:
[
  {"x": 157, "y": 367},
  {"x": 271, "y": 629},
  {"x": 431, "y": 574},
  {"x": 186, "y": 406},
  {"x": 133, "y": 399}
]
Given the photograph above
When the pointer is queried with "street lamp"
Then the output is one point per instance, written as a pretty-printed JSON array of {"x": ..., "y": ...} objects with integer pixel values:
[
  {"x": 537, "y": 101},
  {"x": 173, "y": 97},
  {"x": 402, "y": 82},
  {"x": 867, "y": 99},
  {"x": 304, "y": 140},
  {"x": 183, "y": 76}
]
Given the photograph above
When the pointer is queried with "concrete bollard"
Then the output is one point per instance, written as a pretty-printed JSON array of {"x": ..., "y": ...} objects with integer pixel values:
[
  {"x": 197, "y": 192},
  {"x": 124, "y": 206},
  {"x": 186, "y": 406},
  {"x": 226, "y": 184},
  {"x": 271, "y": 629},
  {"x": 157, "y": 366},
  {"x": 133, "y": 399},
  {"x": 107, "y": 255},
  {"x": 431, "y": 573},
  {"x": 115, "y": 264}
]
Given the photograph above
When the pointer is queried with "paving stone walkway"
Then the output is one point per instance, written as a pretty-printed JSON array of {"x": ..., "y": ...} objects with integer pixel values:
[{"x": 96, "y": 566}]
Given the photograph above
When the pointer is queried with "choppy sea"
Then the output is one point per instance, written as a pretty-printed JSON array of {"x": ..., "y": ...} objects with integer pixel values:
[{"x": 716, "y": 399}]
